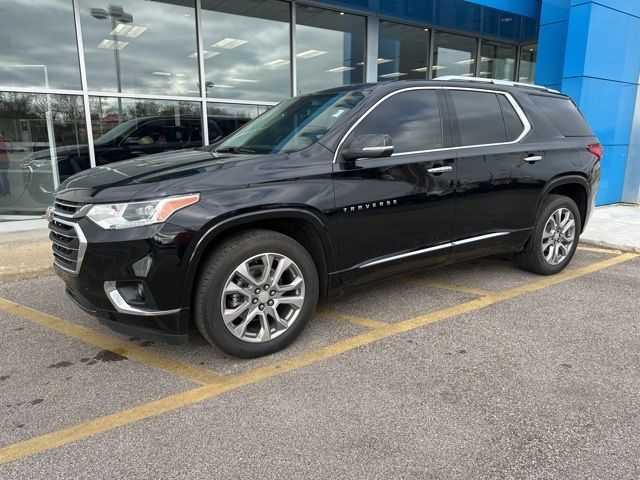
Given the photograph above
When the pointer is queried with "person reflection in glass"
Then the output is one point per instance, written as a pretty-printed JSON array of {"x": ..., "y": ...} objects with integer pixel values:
[{"x": 5, "y": 188}]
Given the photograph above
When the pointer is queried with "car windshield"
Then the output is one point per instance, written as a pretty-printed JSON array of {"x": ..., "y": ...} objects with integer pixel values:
[
  {"x": 117, "y": 131},
  {"x": 292, "y": 125}
]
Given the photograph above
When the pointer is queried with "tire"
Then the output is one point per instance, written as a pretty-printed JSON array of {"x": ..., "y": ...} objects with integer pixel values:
[
  {"x": 220, "y": 281},
  {"x": 543, "y": 261}
]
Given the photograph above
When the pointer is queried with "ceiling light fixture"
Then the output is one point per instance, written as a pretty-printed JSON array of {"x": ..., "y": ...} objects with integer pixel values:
[
  {"x": 243, "y": 80},
  {"x": 384, "y": 60},
  {"x": 422, "y": 69},
  {"x": 205, "y": 54},
  {"x": 276, "y": 63},
  {"x": 311, "y": 53},
  {"x": 392, "y": 75},
  {"x": 229, "y": 43},
  {"x": 112, "y": 44},
  {"x": 437, "y": 67},
  {"x": 131, "y": 31},
  {"x": 340, "y": 69},
  {"x": 466, "y": 62}
]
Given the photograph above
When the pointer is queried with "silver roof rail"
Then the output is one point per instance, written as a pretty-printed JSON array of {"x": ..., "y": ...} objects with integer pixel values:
[{"x": 462, "y": 78}]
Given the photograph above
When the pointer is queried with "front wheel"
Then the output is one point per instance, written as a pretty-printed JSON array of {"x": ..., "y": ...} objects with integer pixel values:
[
  {"x": 256, "y": 293},
  {"x": 555, "y": 237}
]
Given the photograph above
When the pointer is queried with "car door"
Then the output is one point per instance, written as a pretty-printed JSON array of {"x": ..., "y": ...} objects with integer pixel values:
[
  {"x": 495, "y": 193},
  {"x": 396, "y": 212}
]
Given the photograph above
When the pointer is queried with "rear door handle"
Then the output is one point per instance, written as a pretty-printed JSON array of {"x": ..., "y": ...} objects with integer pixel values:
[
  {"x": 533, "y": 158},
  {"x": 438, "y": 170}
]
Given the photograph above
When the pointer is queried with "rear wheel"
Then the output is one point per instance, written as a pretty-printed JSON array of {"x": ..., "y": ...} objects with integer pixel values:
[
  {"x": 555, "y": 237},
  {"x": 256, "y": 293}
]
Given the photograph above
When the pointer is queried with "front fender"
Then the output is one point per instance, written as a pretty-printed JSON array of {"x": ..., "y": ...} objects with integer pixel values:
[{"x": 218, "y": 227}]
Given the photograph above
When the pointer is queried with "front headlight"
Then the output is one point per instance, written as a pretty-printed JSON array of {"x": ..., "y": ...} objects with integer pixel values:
[{"x": 113, "y": 216}]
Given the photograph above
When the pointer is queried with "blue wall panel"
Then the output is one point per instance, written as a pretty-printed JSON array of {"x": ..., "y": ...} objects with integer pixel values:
[
  {"x": 614, "y": 161},
  {"x": 553, "y": 11},
  {"x": 551, "y": 53},
  {"x": 603, "y": 43},
  {"x": 607, "y": 105}
]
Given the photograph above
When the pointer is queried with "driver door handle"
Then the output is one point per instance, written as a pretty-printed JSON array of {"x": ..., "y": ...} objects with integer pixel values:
[
  {"x": 438, "y": 170},
  {"x": 533, "y": 158}
]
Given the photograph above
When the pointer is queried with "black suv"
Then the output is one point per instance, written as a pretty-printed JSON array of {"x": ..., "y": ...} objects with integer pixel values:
[{"x": 321, "y": 193}]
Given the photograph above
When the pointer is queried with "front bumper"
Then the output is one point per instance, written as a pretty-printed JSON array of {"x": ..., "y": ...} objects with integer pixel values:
[{"x": 131, "y": 279}]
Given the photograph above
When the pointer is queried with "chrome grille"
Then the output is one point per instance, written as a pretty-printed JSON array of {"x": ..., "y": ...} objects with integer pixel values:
[{"x": 68, "y": 241}]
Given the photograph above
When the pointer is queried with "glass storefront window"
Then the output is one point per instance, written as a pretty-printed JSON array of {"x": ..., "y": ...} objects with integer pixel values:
[
  {"x": 38, "y": 45},
  {"x": 140, "y": 46},
  {"x": 497, "y": 60},
  {"x": 453, "y": 55},
  {"x": 528, "y": 63},
  {"x": 228, "y": 117},
  {"x": 246, "y": 49},
  {"x": 33, "y": 129},
  {"x": 129, "y": 128},
  {"x": 403, "y": 51},
  {"x": 330, "y": 48}
]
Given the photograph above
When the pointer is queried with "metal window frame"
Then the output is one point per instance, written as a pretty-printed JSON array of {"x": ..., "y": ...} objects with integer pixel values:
[{"x": 523, "y": 118}]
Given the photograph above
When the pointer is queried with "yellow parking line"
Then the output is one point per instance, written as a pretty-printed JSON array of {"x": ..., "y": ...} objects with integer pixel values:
[
  {"x": 126, "y": 349},
  {"x": 189, "y": 397},
  {"x": 586, "y": 248},
  {"x": 446, "y": 286},
  {"x": 360, "y": 321}
]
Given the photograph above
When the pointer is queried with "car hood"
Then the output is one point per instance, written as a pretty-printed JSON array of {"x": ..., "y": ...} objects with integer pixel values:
[
  {"x": 163, "y": 174},
  {"x": 65, "y": 151}
]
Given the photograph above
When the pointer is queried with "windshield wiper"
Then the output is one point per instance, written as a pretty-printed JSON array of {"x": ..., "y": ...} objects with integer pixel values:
[{"x": 238, "y": 150}]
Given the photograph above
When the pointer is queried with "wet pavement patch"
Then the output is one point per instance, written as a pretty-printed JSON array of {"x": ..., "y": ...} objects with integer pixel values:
[
  {"x": 108, "y": 356},
  {"x": 62, "y": 364}
]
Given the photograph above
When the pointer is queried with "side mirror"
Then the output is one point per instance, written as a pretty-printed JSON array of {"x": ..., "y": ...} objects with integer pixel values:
[{"x": 369, "y": 146}]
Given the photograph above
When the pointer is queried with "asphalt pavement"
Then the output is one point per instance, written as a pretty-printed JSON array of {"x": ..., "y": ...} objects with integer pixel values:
[{"x": 478, "y": 370}]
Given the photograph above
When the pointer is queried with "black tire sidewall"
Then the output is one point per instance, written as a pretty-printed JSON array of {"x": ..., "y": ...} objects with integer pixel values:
[
  {"x": 552, "y": 204},
  {"x": 210, "y": 303}
]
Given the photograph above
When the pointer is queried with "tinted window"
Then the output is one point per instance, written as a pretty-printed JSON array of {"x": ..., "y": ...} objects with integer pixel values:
[
  {"x": 412, "y": 119},
  {"x": 479, "y": 117},
  {"x": 564, "y": 115},
  {"x": 511, "y": 119}
]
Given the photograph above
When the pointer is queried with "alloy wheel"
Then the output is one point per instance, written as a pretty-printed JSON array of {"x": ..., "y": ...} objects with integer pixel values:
[
  {"x": 263, "y": 297},
  {"x": 558, "y": 236}
]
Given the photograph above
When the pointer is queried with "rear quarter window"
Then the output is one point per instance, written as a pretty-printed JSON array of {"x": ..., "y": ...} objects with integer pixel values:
[{"x": 564, "y": 115}]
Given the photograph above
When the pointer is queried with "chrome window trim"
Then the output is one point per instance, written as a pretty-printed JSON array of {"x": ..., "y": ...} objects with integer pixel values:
[
  {"x": 82, "y": 246},
  {"x": 121, "y": 306},
  {"x": 432, "y": 249},
  {"x": 523, "y": 118}
]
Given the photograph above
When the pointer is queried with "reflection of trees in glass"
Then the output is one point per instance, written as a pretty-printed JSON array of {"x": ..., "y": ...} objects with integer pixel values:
[{"x": 23, "y": 117}]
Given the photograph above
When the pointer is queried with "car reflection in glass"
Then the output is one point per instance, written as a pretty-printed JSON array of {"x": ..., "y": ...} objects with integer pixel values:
[{"x": 134, "y": 138}]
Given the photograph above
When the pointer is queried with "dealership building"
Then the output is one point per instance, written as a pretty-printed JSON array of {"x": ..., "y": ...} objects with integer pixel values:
[{"x": 91, "y": 82}]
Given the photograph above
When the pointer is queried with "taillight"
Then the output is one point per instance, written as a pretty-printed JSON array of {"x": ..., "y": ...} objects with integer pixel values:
[{"x": 596, "y": 149}]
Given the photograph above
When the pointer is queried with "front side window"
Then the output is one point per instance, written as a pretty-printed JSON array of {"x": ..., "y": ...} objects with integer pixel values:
[
  {"x": 411, "y": 119},
  {"x": 479, "y": 117},
  {"x": 292, "y": 125}
]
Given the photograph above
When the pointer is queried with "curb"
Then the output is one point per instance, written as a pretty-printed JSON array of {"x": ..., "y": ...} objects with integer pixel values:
[{"x": 614, "y": 246}]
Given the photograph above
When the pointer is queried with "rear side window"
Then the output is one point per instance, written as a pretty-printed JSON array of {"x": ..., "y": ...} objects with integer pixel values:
[
  {"x": 412, "y": 119},
  {"x": 564, "y": 115},
  {"x": 479, "y": 117},
  {"x": 512, "y": 121}
]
